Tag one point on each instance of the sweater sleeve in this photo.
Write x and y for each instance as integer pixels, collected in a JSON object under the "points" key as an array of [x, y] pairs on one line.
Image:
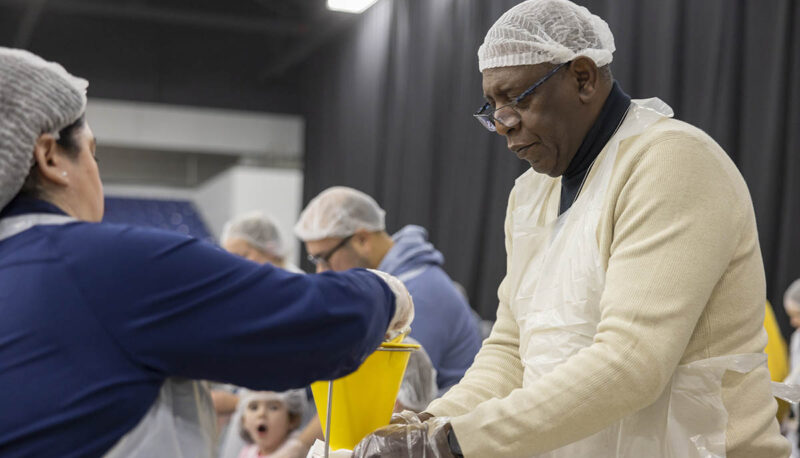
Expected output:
{"points": [[179, 306], [497, 368], [676, 225]]}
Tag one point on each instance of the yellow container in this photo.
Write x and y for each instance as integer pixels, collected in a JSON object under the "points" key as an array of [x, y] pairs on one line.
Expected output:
{"points": [[363, 401]]}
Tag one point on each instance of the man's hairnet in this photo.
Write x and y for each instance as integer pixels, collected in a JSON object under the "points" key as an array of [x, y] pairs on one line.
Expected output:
{"points": [[793, 294], [257, 230], [546, 31], [339, 212], [36, 97]]}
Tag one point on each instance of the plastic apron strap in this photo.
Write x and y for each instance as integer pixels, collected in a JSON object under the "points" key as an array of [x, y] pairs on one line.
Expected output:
{"points": [[14, 225]]}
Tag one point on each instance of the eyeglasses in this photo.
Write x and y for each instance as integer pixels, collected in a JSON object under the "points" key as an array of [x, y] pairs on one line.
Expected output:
{"points": [[507, 115], [323, 258]]}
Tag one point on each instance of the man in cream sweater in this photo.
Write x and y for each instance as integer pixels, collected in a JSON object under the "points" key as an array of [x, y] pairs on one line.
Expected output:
{"points": [[630, 318]]}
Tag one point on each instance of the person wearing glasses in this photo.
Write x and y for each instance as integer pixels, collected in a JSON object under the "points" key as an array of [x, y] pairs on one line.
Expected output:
{"points": [[344, 228], [104, 325], [630, 320]]}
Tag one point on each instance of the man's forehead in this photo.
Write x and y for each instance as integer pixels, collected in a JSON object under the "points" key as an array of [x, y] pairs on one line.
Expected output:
{"points": [[501, 79], [321, 245]]}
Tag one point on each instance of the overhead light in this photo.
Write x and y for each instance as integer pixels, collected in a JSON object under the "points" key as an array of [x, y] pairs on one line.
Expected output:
{"points": [[350, 6]]}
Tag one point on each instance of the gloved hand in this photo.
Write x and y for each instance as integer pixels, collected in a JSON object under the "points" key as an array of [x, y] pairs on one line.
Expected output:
{"points": [[408, 417], [292, 448], [404, 306], [428, 439]]}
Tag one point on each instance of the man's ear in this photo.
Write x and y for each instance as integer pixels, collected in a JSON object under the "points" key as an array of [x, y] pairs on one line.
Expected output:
{"points": [[587, 76], [49, 161]]}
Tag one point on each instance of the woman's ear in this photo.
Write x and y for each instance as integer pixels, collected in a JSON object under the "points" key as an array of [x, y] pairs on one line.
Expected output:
{"points": [[49, 161]]}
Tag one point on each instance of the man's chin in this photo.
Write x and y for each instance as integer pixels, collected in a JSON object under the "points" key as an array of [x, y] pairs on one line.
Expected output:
{"points": [[538, 167]]}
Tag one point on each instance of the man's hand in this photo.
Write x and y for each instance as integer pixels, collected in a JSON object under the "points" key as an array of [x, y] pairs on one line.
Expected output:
{"points": [[410, 440], [408, 417]]}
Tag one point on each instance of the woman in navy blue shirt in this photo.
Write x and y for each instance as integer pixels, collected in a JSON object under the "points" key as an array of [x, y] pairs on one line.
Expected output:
{"points": [[95, 317]]}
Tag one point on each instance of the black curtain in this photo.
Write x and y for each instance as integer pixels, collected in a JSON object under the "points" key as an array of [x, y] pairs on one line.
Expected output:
{"points": [[389, 105]]}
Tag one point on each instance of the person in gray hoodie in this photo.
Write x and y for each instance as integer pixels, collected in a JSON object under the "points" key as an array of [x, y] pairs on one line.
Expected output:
{"points": [[344, 228]]}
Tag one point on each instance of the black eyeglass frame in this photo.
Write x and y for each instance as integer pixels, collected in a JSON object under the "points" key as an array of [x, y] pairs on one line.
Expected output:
{"points": [[324, 258], [485, 115]]}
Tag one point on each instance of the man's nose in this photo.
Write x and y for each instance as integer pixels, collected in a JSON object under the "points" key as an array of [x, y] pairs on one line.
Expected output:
{"points": [[502, 129]]}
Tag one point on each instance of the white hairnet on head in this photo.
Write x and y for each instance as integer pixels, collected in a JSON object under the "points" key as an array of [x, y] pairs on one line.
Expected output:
{"points": [[236, 437], [36, 97], [339, 212], [257, 230], [546, 31], [792, 295], [419, 382]]}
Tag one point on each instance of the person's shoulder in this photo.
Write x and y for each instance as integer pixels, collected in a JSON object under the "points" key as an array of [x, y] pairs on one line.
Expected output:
{"points": [[673, 148], [119, 240], [101, 233]]}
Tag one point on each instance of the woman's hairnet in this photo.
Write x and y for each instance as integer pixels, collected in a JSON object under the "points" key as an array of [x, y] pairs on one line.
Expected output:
{"points": [[257, 230], [236, 437], [36, 97], [419, 382], [339, 212], [792, 294], [546, 31]]}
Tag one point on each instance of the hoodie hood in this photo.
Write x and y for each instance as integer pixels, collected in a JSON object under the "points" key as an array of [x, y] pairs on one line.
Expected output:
{"points": [[411, 251]]}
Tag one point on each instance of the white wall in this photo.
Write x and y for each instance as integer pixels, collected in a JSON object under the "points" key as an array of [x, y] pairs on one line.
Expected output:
{"points": [[193, 129], [276, 192]]}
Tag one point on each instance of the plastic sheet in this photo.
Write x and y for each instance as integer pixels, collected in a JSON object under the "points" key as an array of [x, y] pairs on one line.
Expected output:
{"points": [[180, 424]]}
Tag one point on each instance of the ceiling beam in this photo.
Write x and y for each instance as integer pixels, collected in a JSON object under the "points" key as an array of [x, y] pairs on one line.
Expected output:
{"points": [[173, 17]]}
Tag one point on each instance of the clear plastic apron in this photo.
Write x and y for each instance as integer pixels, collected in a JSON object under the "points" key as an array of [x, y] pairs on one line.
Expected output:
{"points": [[180, 423], [555, 299]]}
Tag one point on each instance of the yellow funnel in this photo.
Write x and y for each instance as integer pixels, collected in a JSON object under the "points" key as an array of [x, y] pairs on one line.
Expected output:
{"points": [[363, 401]]}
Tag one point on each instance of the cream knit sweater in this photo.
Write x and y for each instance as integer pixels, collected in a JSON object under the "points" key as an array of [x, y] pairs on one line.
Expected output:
{"points": [[684, 282]]}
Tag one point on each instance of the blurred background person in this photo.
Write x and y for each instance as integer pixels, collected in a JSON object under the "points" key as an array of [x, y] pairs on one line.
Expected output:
{"points": [[255, 236], [344, 228], [266, 424], [791, 303]]}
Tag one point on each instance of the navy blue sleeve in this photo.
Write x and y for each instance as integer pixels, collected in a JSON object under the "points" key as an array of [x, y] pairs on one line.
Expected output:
{"points": [[179, 306]]}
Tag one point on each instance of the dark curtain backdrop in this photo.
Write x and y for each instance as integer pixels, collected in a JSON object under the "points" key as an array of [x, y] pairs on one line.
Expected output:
{"points": [[389, 104]]}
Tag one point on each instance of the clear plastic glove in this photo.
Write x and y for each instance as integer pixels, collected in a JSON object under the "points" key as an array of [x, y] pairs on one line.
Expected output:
{"points": [[428, 439], [409, 417], [292, 448], [404, 306]]}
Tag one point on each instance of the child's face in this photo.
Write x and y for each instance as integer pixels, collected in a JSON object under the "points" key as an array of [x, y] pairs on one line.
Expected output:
{"points": [[267, 422]]}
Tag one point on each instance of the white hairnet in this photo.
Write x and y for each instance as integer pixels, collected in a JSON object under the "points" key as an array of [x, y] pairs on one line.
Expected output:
{"points": [[36, 97], [233, 441], [257, 230], [793, 294], [546, 31], [339, 212], [419, 382]]}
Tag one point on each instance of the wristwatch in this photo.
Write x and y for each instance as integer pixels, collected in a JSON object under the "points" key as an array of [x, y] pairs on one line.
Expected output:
{"points": [[452, 441]]}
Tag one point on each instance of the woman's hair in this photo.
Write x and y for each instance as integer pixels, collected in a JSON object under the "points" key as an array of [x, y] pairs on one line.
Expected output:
{"points": [[67, 139]]}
